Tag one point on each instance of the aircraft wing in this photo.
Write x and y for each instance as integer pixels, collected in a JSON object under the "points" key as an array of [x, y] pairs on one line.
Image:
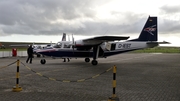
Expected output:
{"points": [[21, 44], [107, 38], [97, 40]]}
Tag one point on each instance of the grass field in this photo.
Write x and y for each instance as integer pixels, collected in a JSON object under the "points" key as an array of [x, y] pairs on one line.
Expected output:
{"points": [[159, 50]]}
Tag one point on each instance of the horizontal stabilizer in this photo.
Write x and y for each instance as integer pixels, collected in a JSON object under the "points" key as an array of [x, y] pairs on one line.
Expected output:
{"points": [[164, 42]]}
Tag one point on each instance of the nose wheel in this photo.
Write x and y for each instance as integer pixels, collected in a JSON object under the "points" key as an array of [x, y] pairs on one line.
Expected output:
{"points": [[94, 62], [87, 59], [43, 61]]}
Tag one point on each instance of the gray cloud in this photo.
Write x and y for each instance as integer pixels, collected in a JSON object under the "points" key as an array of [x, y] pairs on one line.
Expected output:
{"points": [[101, 28], [167, 9], [169, 26], [51, 17], [170, 21], [37, 15]]}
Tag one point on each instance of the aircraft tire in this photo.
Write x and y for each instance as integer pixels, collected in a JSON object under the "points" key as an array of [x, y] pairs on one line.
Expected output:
{"points": [[43, 61], [94, 62], [87, 59], [38, 55]]}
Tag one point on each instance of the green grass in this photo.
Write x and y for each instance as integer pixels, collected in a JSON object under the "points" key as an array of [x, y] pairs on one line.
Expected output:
{"points": [[159, 50]]}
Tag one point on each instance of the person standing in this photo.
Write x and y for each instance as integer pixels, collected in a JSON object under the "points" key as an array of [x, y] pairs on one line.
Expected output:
{"points": [[30, 54]]}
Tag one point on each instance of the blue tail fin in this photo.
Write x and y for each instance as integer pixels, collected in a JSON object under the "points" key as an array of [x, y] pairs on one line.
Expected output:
{"points": [[149, 31]]}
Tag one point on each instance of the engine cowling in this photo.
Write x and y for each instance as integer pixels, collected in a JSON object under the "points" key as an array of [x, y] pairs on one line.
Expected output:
{"points": [[87, 42]]}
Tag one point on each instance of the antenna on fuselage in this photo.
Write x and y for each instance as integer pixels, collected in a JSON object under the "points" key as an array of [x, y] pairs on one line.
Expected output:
{"points": [[51, 43], [73, 39], [68, 38]]}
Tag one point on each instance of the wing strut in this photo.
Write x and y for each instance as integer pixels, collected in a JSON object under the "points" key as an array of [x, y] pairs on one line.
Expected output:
{"points": [[95, 54]]}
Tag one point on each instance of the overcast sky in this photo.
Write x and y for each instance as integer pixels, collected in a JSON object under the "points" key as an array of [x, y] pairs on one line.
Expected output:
{"points": [[46, 20]]}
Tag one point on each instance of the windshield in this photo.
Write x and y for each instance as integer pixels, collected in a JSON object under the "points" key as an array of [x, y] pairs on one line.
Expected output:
{"points": [[58, 45]]}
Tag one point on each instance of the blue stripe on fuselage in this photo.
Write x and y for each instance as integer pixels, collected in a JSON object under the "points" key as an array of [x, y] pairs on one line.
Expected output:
{"points": [[69, 53], [77, 53]]}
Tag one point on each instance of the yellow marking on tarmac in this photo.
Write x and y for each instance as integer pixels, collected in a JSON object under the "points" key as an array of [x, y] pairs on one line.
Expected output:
{"points": [[96, 76], [39, 74], [65, 81], [81, 80], [28, 68], [52, 79], [109, 69]]}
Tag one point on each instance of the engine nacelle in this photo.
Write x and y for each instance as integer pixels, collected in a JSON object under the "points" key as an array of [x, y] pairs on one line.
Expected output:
{"points": [[87, 42], [79, 43]]}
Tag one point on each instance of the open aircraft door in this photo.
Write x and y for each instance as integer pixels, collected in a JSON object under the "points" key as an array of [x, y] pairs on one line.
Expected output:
{"points": [[110, 46]]}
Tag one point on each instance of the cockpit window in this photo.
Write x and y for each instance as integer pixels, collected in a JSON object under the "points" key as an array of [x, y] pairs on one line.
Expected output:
{"points": [[58, 45], [62, 45], [66, 46]]}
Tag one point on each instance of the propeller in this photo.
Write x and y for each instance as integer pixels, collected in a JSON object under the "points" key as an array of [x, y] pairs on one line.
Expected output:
{"points": [[73, 43]]}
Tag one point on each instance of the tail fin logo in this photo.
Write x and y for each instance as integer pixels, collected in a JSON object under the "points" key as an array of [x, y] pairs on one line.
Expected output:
{"points": [[150, 29]]}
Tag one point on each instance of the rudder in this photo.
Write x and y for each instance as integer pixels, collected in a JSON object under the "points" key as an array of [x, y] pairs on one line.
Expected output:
{"points": [[149, 31]]}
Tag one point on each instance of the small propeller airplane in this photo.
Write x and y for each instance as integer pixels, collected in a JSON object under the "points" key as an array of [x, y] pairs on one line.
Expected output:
{"points": [[104, 46], [45, 46]]}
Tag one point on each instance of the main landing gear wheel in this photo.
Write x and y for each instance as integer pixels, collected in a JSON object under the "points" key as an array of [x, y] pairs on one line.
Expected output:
{"points": [[94, 62], [43, 61], [87, 59]]}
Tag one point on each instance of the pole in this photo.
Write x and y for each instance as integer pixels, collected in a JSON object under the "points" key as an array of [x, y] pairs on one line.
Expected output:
{"points": [[17, 88], [114, 97]]}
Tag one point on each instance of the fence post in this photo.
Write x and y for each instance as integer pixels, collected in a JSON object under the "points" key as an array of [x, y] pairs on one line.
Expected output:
{"points": [[114, 97], [17, 88]]}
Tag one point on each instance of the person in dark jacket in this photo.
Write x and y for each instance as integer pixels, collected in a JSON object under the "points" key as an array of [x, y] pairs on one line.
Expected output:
{"points": [[30, 54]]}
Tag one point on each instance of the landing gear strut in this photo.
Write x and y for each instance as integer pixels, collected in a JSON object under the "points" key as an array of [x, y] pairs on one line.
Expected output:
{"points": [[95, 55]]}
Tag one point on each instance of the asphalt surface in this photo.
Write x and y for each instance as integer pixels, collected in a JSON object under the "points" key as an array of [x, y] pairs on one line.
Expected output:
{"points": [[140, 77]]}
